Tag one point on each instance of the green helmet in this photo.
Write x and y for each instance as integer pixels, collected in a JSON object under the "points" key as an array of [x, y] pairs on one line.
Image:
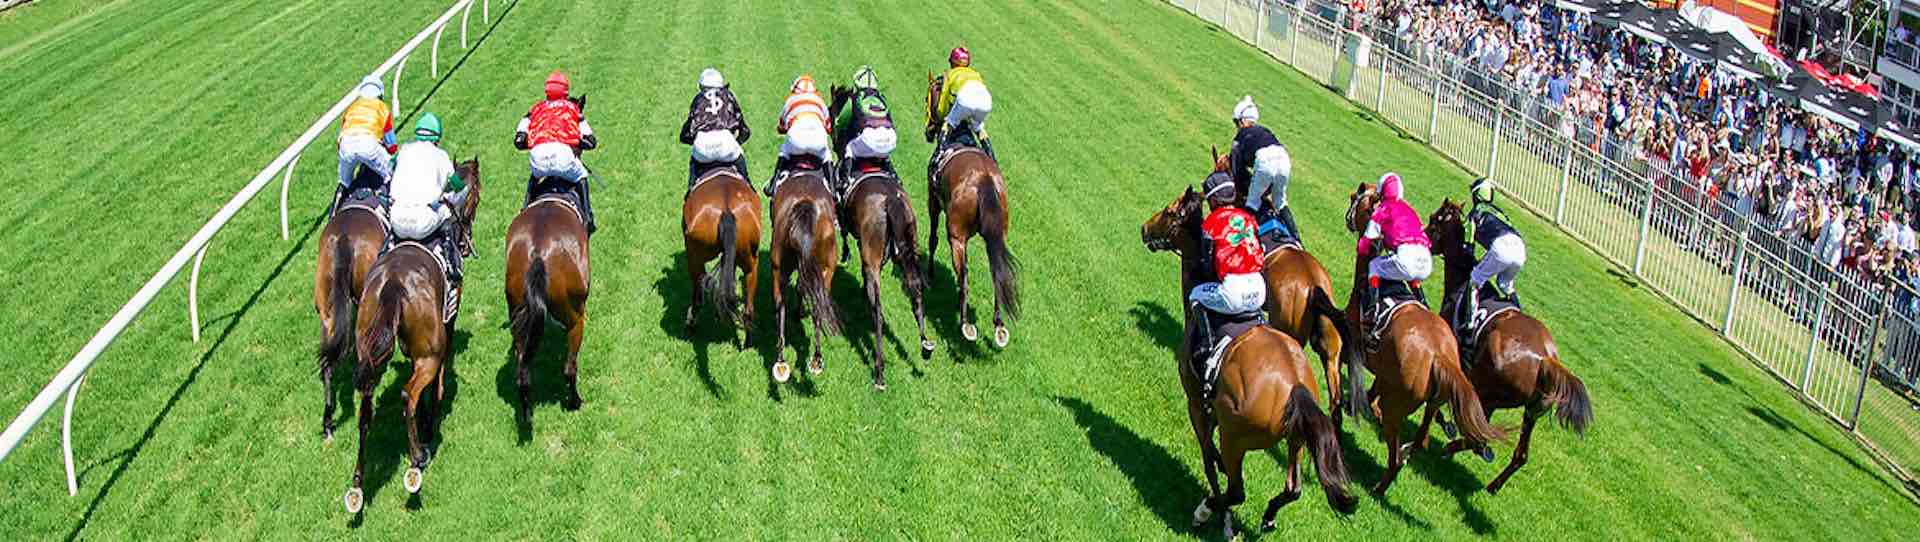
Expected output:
{"points": [[428, 128], [1482, 190], [865, 79]]}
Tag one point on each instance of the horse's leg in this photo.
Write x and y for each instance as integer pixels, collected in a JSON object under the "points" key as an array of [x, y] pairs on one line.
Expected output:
{"points": [[425, 368], [1421, 438], [433, 411], [1328, 346], [1232, 456], [354, 498], [523, 379], [1203, 433], [575, 334], [782, 281], [933, 229], [1519, 451], [871, 278], [1292, 492], [749, 262], [1390, 422], [696, 271], [326, 391], [959, 245], [815, 365]]}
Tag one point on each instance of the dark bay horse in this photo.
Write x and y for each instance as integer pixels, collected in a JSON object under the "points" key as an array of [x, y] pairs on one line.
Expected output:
{"points": [[721, 219], [1418, 364], [1517, 364], [1265, 393], [879, 216], [547, 279], [1300, 304], [967, 185], [805, 239], [404, 301], [349, 243]]}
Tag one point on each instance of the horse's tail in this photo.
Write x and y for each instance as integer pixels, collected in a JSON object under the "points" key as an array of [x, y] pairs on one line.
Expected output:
{"points": [[1305, 421], [719, 285], [800, 230], [340, 299], [993, 220], [1453, 384], [530, 322], [904, 243], [377, 335], [1567, 394], [1325, 313]]}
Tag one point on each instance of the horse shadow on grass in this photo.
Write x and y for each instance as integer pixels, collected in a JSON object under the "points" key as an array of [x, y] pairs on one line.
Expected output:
{"points": [[1773, 419], [944, 308], [1161, 481], [856, 317], [676, 293], [1156, 321], [547, 370]]}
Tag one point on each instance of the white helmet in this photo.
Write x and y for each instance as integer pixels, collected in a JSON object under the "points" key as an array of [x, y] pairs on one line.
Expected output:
{"points": [[1245, 110], [370, 87], [710, 78]]}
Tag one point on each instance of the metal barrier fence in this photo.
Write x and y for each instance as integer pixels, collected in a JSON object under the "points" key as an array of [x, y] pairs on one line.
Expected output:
{"points": [[1848, 346]]}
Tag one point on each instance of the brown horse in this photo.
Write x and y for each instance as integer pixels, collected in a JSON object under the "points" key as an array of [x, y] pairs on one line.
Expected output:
{"points": [[1419, 364], [350, 242], [883, 222], [405, 301], [721, 219], [547, 279], [1300, 304], [805, 239], [1265, 392], [1517, 364], [967, 185]]}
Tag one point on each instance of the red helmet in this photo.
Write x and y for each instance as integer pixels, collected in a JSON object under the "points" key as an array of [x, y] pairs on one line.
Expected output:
{"points": [[959, 57], [557, 85]]}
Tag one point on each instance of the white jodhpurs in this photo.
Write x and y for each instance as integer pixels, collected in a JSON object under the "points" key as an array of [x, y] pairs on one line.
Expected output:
{"points": [[873, 143], [716, 147], [417, 222], [1272, 170], [1411, 262], [1236, 294], [556, 160], [1502, 262], [363, 151], [971, 104]]}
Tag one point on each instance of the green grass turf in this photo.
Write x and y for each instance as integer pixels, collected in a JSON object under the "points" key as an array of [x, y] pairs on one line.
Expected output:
{"points": [[1074, 431]]}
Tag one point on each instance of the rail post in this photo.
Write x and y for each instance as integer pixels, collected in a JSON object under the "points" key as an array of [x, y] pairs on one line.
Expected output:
{"points": [[1866, 365], [1259, 23], [1493, 139], [435, 70], [468, 14], [1646, 225], [66, 437], [1566, 183], [1433, 118], [393, 90], [1293, 36], [1813, 339], [286, 182], [193, 294], [1380, 97], [1733, 286]]}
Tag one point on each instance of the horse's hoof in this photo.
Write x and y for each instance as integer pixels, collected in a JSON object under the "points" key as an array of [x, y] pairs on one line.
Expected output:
{"points": [[1449, 429], [970, 332], [1485, 453], [1202, 514], [879, 386], [1001, 336], [926, 349], [814, 366], [354, 500], [782, 372], [413, 479]]}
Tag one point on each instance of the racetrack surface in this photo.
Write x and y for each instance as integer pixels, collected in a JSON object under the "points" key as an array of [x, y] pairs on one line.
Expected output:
{"points": [[135, 121]]}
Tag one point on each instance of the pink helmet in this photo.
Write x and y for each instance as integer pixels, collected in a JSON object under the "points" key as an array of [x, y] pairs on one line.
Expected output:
{"points": [[960, 57], [557, 85], [1390, 189]]}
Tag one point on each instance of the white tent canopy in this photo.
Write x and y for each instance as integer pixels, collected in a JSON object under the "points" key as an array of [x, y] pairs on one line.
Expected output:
{"points": [[1713, 20]]}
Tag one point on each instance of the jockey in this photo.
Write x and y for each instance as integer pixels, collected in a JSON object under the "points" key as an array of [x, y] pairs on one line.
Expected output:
{"points": [[867, 131], [964, 100], [1488, 226], [804, 121], [554, 132], [715, 127], [1234, 260], [1262, 164], [426, 191], [1407, 256], [366, 139]]}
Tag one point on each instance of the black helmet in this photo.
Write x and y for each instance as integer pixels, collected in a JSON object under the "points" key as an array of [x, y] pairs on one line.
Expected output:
{"points": [[1219, 187]]}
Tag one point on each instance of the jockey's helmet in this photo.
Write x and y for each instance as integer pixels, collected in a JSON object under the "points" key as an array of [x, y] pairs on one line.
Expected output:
{"points": [[865, 79], [1482, 190], [427, 128], [959, 57], [557, 85], [371, 88], [710, 78]]}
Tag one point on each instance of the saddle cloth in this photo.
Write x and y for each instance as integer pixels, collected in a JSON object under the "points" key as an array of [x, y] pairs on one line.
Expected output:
{"points": [[709, 171], [1394, 295], [368, 200], [1225, 329], [556, 192]]}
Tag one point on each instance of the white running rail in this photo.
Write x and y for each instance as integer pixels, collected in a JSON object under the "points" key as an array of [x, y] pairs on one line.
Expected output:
{"points": [[67, 381]]}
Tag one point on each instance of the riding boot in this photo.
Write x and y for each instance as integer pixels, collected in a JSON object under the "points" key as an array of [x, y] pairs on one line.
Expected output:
{"points": [[586, 205], [531, 182], [1293, 229], [1469, 307], [693, 173], [779, 167], [339, 198], [987, 145]]}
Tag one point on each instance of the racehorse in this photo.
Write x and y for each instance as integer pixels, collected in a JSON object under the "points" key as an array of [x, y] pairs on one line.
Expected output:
{"points": [[877, 209], [405, 301], [1517, 364], [349, 243], [1300, 304], [1265, 392], [965, 183], [547, 279], [721, 219], [1419, 364], [804, 237]]}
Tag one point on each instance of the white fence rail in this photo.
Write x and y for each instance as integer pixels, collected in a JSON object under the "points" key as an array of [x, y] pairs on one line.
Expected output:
{"points": [[1828, 334], [67, 381]]}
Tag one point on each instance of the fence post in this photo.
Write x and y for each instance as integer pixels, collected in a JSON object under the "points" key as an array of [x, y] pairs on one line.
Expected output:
{"points": [[1433, 120], [1380, 98], [1733, 288], [1293, 36], [1566, 182], [1493, 140], [1813, 341], [1866, 365], [1259, 23], [1646, 224], [1226, 16]]}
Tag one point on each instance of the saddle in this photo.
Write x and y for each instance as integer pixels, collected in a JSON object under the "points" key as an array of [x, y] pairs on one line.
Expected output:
{"points": [[1470, 328], [369, 200], [703, 172], [944, 154], [802, 166], [555, 191], [861, 171], [1274, 234], [1222, 329], [1393, 295]]}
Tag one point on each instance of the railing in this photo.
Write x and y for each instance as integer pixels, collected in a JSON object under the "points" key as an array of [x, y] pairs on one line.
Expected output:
{"points": [[67, 381], [1824, 332]]}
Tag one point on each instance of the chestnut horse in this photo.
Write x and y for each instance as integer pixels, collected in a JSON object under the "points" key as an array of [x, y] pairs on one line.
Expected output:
{"points": [[1264, 396], [349, 243], [721, 219], [1300, 304], [882, 220], [967, 185], [1419, 364], [805, 239], [404, 301], [547, 279], [1517, 364]]}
